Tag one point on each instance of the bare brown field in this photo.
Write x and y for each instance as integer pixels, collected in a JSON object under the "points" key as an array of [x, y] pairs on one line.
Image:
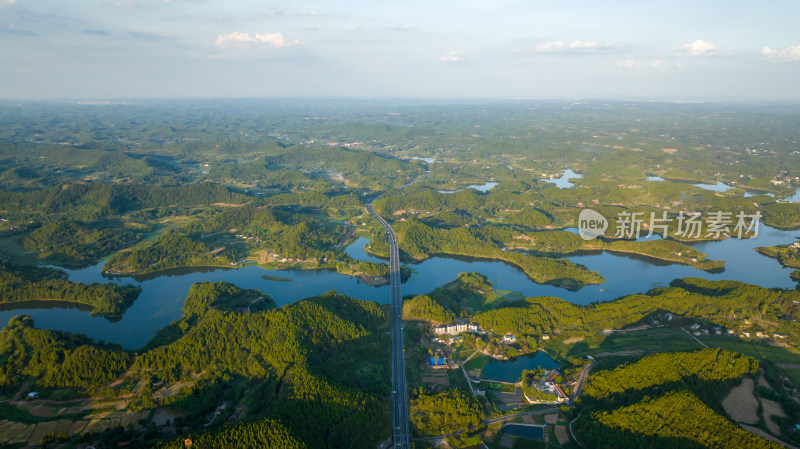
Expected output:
{"points": [[772, 408], [561, 434], [438, 380], [740, 403]]}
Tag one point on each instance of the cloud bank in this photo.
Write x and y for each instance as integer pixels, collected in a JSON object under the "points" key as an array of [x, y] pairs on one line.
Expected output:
{"points": [[575, 47], [786, 54], [236, 39], [631, 64]]}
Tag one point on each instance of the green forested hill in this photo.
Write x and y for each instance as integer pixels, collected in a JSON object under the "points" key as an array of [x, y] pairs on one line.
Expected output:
{"points": [[317, 366], [173, 249], [421, 241], [73, 242], [676, 420], [720, 302], [371, 168], [706, 365], [422, 307], [267, 433], [442, 413], [307, 350], [47, 284], [56, 359], [97, 200], [666, 400]]}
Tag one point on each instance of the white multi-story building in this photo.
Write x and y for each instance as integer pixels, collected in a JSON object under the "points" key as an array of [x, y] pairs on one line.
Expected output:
{"points": [[456, 328]]}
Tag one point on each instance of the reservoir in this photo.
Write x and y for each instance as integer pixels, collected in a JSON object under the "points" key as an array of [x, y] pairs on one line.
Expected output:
{"points": [[529, 431], [510, 370], [562, 182], [479, 187], [163, 293]]}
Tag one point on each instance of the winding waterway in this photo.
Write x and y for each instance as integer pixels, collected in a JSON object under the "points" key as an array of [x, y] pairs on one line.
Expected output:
{"points": [[162, 295], [721, 187]]}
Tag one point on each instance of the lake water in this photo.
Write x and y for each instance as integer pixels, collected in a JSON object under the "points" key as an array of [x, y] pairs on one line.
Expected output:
{"points": [[562, 182], [510, 370], [721, 187], [162, 294], [718, 187], [479, 187], [794, 198], [749, 194]]}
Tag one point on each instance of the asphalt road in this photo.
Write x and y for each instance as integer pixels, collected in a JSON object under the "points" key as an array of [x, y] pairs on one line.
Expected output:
{"points": [[400, 436], [581, 381]]}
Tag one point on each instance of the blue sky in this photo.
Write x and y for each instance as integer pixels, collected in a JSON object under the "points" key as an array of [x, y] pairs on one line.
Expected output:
{"points": [[692, 50]]}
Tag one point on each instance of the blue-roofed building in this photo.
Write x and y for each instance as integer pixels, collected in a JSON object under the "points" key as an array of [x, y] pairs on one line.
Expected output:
{"points": [[441, 361], [433, 361]]}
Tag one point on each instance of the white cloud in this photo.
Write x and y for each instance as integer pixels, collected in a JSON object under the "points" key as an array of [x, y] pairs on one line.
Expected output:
{"points": [[631, 64], [785, 54], [578, 45], [283, 12], [451, 57], [10, 2], [700, 48], [236, 39], [551, 46], [575, 47]]}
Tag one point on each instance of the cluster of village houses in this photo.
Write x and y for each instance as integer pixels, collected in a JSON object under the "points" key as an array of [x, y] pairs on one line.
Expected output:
{"points": [[545, 384], [698, 330], [459, 328], [717, 330]]}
